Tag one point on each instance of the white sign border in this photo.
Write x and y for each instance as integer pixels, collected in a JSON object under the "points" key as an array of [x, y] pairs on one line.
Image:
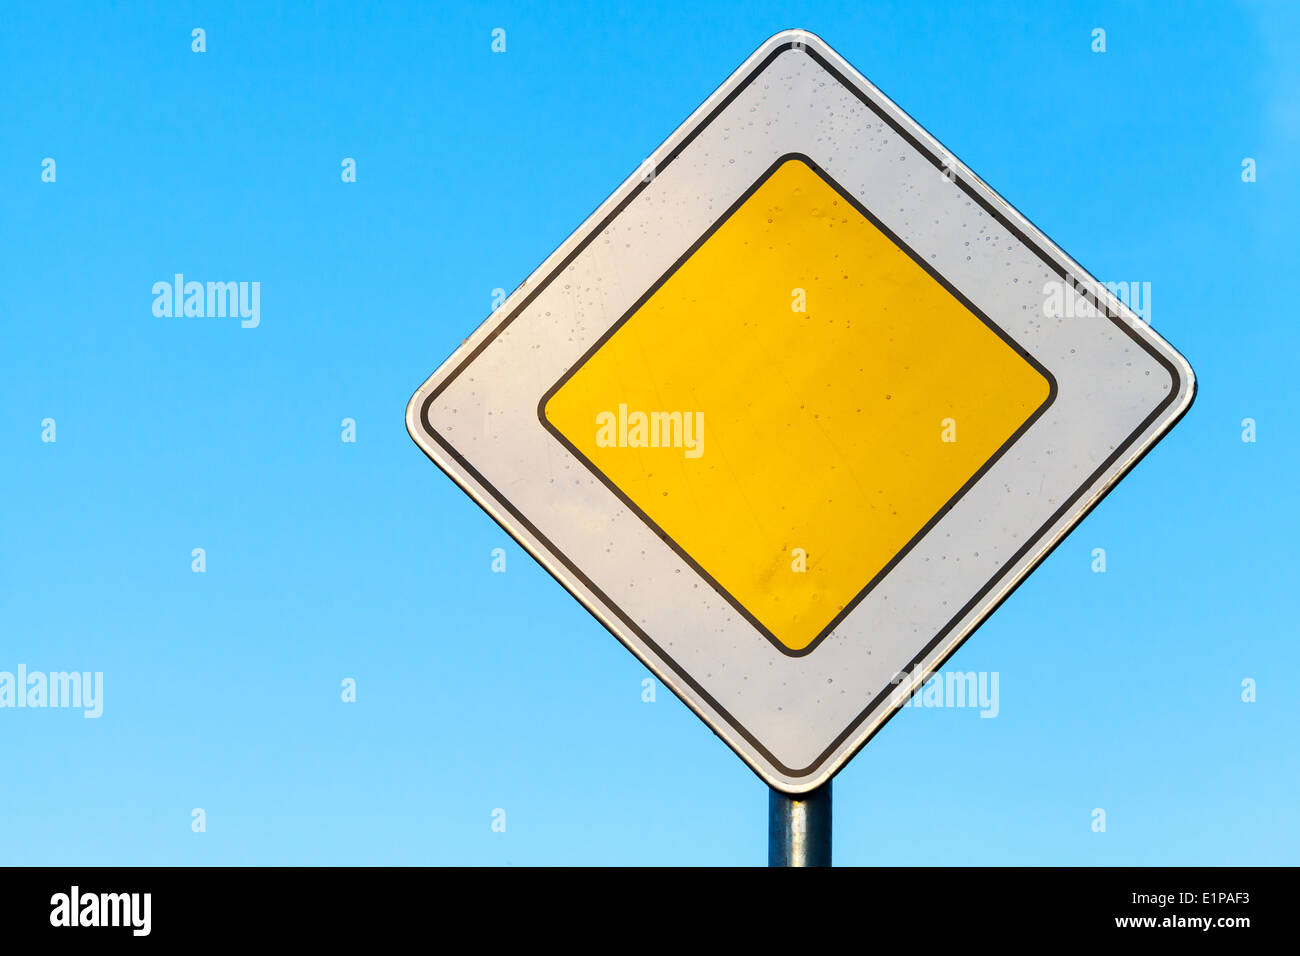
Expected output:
{"points": [[967, 620]]}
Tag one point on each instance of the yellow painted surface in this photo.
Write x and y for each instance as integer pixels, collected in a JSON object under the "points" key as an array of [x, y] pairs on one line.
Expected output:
{"points": [[822, 430]]}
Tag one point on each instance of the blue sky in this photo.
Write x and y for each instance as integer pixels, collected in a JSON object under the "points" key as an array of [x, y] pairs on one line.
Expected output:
{"points": [[478, 691]]}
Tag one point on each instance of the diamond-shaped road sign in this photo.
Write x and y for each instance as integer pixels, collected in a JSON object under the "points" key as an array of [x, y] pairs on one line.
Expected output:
{"points": [[797, 407]]}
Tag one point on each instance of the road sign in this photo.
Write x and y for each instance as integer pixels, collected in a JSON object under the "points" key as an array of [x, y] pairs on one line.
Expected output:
{"points": [[797, 407]]}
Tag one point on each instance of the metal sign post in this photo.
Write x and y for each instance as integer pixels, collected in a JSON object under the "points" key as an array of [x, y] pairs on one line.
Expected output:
{"points": [[799, 827]]}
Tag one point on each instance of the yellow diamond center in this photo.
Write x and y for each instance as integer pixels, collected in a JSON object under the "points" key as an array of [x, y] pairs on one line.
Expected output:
{"points": [[795, 404]]}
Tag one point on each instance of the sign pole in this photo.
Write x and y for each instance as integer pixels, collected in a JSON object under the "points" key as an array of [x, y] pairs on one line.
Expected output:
{"points": [[799, 827]]}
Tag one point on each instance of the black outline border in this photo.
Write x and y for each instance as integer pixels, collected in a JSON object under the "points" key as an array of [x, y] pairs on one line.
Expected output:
{"points": [[925, 528], [941, 163]]}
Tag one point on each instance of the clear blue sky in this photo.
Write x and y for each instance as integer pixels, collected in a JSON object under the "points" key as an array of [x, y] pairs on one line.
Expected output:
{"points": [[476, 690]]}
